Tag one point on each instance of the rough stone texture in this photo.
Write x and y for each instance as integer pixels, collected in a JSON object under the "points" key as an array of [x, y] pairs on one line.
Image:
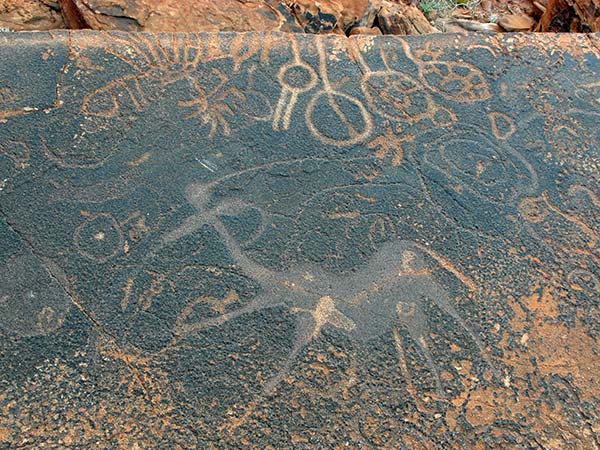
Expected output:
{"points": [[571, 15], [187, 15], [30, 15], [514, 22], [309, 16], [72, 15], [333, 15], [292, 241], [398, 18]]}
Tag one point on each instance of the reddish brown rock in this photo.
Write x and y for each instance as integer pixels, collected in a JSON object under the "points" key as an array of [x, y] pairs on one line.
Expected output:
{"points": [[72, 15], [515, 22], [571, 15], [318, 17], [21, 15], [309, 16], [186, 15], [374, 31], [465, 26], [398, 18], [337, 16]]}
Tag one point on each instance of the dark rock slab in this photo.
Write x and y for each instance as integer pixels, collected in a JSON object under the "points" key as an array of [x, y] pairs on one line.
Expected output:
{"points": [[275, 241]]}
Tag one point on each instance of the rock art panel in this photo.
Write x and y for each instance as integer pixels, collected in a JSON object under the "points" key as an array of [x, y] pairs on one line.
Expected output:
{"points": [[299, 241]]}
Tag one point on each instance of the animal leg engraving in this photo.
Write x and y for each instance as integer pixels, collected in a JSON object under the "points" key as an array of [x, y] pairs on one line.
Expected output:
{"points": [[260, 302], [411, 316]]}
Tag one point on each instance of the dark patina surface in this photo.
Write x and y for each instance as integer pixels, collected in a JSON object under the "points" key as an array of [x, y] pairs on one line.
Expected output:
{"points": [[276, 241]]}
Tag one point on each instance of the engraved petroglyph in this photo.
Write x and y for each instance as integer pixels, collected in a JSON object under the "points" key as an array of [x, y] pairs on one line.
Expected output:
{"points": [[295, 78], [299, 241], [391, 143], [151, 61], [593, 89], [590, 197], [399, 97], [538, 209], [533, 209], [211, 105], [32, 303], [19, 152], [503, 126], [584, 280], [473, 161], [338, 110], [456, 80], [565, 130], [99, 238], [7, 95], [7, 98], [389, 292], [180, 59]]}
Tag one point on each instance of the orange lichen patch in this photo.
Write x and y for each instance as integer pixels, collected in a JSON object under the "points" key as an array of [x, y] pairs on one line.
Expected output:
{"points": [[4, 434], [577, 49], [544, 305], [127, 418], [549, 348], [298, 438], [570, 353], [485, 406]]}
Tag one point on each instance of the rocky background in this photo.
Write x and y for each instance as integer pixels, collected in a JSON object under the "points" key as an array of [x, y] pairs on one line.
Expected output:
{"points": [[310, 16]]}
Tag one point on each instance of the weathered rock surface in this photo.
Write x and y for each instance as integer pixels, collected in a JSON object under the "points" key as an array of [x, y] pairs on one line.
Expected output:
{"points": [[400, 18], [30, 15], [190, 15], [335, 16], [297, 241], [309, 16], [514, 22], [571, 15]]}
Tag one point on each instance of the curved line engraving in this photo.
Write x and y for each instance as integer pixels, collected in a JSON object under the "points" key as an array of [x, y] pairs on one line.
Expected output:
{"points": [[388, 292], [357, 133], [291, 88]]}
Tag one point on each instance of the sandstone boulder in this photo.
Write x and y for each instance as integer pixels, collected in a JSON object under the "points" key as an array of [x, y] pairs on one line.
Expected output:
{"points": [[186, 15], [399, 18], [19, 15]]}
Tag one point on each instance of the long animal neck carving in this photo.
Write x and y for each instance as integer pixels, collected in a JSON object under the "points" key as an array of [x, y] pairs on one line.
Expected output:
{"points": [[247, 265], [391, 292]]}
